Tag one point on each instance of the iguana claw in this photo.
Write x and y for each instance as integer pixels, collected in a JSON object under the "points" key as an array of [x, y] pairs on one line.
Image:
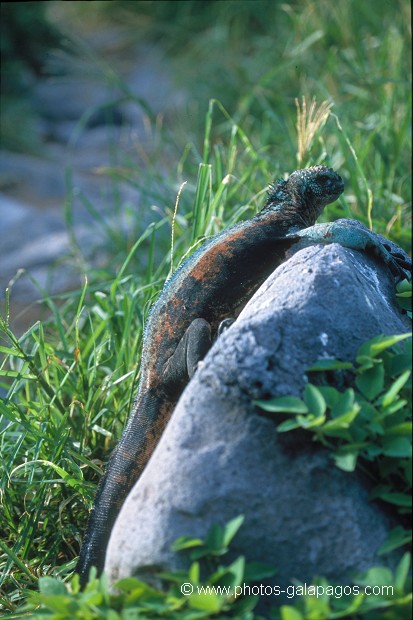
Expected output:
{"points": [[399, 265]]}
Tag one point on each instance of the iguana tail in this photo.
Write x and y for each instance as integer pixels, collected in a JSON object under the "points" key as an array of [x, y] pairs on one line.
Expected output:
{"points": [[151, 413]]}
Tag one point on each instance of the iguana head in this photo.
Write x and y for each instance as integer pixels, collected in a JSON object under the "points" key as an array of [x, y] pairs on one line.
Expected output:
{"points": [[302, 197]]}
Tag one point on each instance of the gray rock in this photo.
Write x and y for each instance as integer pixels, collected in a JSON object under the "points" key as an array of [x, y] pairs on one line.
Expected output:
{"points": [[34, 241], [67, 98], [135, 82], [40, 180], [219, 457]]}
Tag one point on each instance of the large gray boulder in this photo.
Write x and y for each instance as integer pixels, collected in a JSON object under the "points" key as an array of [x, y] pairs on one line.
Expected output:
{"points": [[220, 457]]}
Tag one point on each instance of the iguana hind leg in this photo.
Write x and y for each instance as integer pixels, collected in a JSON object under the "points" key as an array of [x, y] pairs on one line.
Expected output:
{"points": [[192, 348]]}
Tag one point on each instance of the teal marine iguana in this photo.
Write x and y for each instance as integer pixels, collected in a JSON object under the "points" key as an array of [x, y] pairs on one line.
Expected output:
{"points": [[213, 284]]}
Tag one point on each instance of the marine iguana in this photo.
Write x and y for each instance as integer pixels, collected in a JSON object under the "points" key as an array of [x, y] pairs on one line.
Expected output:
{"points": [[213, 284]]}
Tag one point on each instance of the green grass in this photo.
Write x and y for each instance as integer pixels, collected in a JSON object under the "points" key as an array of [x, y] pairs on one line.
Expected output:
{"points": [[70, 380]]}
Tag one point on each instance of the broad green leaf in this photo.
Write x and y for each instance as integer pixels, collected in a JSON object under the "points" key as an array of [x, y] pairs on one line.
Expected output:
{"points": [[215, 539], [364, 363], [344, 405], [58, 603], [372, 451], [348, 613], [353, 447], [344, 434], [314, 400], [290, 613], [401, 573], [204, 551], [283, 404], [231, 528], [380, 343], [398, 499], [404, 295], [368, 410], [330, 394], [329, 364], [402, 361], [287, 425], [237, 570], [179, 576], [140, 591], [254, 571], [397, 537], [390, 395], [394, 407], [346, 462], [194, 572], [405, 286], [92, 598], [342, 421], [310, 421], [51, 585], [186, 542], [399, 447], [405, 301], [371, 382], [375, 427], [207, 601], [405, 428], [242, 608], [375, 576]]}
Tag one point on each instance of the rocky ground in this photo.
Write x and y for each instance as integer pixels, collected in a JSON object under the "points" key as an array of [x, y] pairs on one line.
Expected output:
{"points": [[79, 137]]}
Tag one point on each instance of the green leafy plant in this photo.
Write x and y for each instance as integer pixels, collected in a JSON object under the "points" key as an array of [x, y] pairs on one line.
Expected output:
{"points": [[184, 594], [404, 296], [210, 589], [368, 425], [324, 601]]}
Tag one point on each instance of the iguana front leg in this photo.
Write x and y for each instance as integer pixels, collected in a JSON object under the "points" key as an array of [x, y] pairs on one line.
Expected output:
{"points": [[353, 235]]}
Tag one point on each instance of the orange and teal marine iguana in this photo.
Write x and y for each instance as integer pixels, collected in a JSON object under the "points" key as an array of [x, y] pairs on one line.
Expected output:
{"points": [[211, 286]]}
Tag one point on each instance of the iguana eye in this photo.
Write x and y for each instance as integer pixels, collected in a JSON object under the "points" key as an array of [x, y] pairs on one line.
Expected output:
{"points": [[324, 179]]}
